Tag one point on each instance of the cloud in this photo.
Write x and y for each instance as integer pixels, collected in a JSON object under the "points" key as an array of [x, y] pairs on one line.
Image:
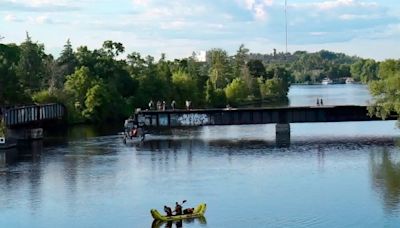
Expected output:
{"points": [[335, 4], [12, 18], [141, 2], [38, 5], [258, 8], [348, 17]]}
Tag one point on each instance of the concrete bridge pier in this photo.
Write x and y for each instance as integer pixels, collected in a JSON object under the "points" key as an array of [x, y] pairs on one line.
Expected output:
{"points": [[282, 134], [25, 134]]}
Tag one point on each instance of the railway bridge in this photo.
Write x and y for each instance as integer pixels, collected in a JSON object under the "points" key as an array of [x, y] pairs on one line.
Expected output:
{"points": [[281, 116]]}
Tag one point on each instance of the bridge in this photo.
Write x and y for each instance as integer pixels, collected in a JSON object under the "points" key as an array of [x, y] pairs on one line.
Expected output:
{"points": [[281, 116], [27, 122]]}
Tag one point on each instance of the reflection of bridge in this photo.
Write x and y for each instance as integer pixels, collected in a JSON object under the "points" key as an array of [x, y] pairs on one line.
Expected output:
{"points": [[282, 116], [27, 122]]}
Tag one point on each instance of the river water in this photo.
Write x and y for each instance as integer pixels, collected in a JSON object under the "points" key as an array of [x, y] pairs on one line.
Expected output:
{"points": [[332, 174]]}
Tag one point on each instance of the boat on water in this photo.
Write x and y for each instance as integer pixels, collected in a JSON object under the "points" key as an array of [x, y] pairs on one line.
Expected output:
{"points": [[198, 212], [327, 81], [349, 81], [133, 132]]}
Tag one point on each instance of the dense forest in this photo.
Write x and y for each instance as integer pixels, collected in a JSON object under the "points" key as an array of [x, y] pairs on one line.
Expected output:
{"points": [[311, 68], [100, 84]]}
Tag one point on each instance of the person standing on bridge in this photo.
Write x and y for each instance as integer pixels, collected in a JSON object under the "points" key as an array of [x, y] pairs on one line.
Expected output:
{"points": [[317, 101], [151, 105], [321, 102], [188, 105], [158, 105], [163, 105], [173, 103]]}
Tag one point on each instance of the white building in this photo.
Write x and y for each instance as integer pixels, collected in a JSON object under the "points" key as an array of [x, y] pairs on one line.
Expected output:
{"points": [[200, 56]]}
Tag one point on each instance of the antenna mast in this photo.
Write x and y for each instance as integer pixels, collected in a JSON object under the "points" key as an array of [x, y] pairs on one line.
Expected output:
{"points": [[286, 27]]}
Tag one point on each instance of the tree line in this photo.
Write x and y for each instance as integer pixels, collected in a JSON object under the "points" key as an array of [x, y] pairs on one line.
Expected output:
{"points": [[312, 68], [99, 84]]}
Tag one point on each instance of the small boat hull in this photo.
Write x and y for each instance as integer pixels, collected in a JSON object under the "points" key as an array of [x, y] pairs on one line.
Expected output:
{"points": [[198, 212]]}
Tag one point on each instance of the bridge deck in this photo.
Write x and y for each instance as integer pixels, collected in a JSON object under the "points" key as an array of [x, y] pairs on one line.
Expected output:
{"points": [[304, 114]]}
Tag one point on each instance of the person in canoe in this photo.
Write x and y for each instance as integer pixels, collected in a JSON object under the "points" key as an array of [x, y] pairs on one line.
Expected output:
{"points": [[188, 211], [178, 208], [168, 211]]}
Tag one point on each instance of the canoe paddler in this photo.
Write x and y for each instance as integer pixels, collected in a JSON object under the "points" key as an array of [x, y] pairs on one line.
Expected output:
{"points": [[178, 208], [168, 211]]}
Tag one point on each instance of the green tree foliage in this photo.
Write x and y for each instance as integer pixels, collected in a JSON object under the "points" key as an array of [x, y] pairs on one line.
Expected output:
{"points": [[97, 101], [98, 85], [219, 71], [256, 68], [236, 91], [386, 90], [66, 64], [76, 87], [365, 70], [215, 98], [30, 68], [185, 88], [11, 91], [272, 88]]}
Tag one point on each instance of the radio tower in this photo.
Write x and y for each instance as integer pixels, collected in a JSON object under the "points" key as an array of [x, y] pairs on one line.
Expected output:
{"points": [[286, 26]]}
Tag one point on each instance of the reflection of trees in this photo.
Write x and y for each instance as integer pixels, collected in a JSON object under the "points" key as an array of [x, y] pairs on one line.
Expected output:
{"points": [[385, 171]]}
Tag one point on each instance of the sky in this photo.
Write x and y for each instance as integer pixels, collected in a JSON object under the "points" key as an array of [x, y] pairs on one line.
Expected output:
{"points": [[366, 28]]}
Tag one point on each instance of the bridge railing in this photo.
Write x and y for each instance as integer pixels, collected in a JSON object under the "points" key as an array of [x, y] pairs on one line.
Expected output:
{"points": [[34, 113]]}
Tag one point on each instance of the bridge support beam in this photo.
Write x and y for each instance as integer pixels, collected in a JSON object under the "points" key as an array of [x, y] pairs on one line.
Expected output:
{"points": [[25, 134], [282, 134]]}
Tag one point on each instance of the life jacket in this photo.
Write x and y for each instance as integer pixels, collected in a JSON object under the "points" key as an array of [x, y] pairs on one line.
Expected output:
{"points": [[134, 132]]}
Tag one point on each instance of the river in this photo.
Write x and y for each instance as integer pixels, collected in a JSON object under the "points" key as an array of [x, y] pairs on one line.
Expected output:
{"points": [[332, 174]]}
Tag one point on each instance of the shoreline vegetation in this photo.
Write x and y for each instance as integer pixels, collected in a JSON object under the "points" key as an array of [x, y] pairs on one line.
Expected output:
{"points": [[98, 85]]}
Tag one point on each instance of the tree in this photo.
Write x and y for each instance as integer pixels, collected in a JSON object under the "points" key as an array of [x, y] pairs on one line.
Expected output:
{"points": [[97, 102], [236, 91], [219, 68], [272, 88], [184, 87], [386, 90], [215, 98], [76, 87], [365, 70], [30, 65], [11, 91], [66, 64], [256, 68], [240, 61], [113, 49]]}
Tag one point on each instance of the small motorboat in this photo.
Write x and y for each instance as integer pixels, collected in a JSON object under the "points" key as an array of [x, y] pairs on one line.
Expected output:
{"points": [[327, 81], [132, 131], [198, 212]]}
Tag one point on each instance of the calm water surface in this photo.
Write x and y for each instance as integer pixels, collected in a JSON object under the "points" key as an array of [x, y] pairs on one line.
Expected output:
{"points": [[332, 175]]}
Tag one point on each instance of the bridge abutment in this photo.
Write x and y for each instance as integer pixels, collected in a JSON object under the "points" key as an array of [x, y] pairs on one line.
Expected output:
{"points": [[282, 134]]}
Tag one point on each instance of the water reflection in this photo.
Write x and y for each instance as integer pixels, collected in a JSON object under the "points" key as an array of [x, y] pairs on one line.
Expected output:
{"points": [[385, 172], [180, 223]]}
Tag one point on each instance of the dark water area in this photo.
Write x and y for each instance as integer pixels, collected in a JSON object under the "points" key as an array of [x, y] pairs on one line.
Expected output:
{"points": [[331, 175]]}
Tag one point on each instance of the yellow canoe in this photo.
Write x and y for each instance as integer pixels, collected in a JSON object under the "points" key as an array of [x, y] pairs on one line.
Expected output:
{"points": [[198, 212]]}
